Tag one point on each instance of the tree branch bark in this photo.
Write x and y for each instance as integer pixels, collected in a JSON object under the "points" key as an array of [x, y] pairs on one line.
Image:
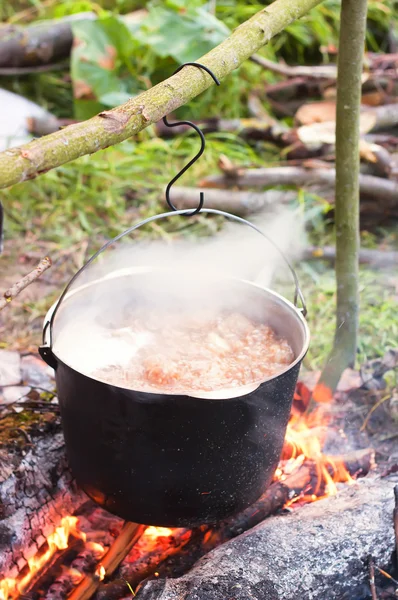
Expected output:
{"points": [[114, 126], [18, 287], [351, 50]]}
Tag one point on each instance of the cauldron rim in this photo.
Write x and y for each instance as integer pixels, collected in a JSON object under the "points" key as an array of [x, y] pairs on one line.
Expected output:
{"points": [[232, 393]]}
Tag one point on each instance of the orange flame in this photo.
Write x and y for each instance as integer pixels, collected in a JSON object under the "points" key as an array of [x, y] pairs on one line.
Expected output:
{"points": [[58, 540], [305, 438], [155, 532]]}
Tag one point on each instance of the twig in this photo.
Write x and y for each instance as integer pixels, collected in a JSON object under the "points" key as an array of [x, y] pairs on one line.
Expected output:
{"points": [[17, 288], [321, 72], [9, 71], [372, 584], [385, 574]]}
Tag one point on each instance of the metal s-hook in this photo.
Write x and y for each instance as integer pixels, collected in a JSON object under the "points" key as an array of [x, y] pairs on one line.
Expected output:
{"points": [[202, 147]]}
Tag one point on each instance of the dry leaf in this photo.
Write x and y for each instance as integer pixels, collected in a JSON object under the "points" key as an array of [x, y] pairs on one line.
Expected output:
{"points": [[373, 98], [367, 121], [316, 112], [366, 151], [81, 89], [225, 164], [315, 135], [109, 60]]}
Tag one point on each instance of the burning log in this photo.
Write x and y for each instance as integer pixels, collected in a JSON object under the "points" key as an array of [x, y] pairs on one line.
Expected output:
{"points": [[303, 481], [320, 553], [128, 536], [36, 491]]}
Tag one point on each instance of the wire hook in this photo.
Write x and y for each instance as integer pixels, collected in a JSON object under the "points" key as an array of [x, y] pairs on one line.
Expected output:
{"points": [[202, 147]]}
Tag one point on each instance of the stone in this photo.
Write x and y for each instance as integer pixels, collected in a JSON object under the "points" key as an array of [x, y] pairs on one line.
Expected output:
{"points": [[10, 368], [316, 552], [36, 373], [13, 393]]}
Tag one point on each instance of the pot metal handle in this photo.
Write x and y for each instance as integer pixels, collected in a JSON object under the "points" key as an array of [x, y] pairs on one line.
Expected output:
{"points": [[46, 349]]}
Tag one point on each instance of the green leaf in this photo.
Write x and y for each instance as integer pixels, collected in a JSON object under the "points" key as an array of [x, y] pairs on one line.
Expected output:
{"points": [[184, 36], [101, 65]]}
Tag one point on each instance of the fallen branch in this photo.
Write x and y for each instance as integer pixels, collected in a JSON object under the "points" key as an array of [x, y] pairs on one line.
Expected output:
{"points": [[315, 72], [376, 258], [384, 189], [240, 203], [37, 45], [375, 63], [17, 288], [113, 126]]}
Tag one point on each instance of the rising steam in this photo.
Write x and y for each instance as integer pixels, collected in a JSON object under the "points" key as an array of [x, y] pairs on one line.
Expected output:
{"points": [[188, 276]]}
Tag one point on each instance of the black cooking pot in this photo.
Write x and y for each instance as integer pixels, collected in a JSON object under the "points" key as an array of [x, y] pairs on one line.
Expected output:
{"points": [[167, 459]]}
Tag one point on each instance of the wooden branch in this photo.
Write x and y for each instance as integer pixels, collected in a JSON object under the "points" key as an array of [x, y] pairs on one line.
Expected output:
{"points": [[240, 203], [129, 535], [17, 288], [37, 45], [384, 189], [315, 72], [351, 44], [375, 63], [376, 258], [113, 126]]}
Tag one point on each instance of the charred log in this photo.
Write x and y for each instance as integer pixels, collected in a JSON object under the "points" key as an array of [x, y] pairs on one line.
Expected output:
{"points": [[35, 493]]}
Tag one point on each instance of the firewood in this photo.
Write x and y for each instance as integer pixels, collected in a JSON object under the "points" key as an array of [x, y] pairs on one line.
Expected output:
{"points": [[240, 203], [34, 495], [147, 564], [17, 288], [37, 44], [385, 190], [130, 533]]}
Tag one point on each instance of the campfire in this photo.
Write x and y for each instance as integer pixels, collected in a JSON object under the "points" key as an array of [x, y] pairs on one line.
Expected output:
{"points": [[93, 551]]}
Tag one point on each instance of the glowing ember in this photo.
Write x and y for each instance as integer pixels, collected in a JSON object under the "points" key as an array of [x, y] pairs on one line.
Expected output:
{"points": [[155, 532], [100, 572], [58, 540]]}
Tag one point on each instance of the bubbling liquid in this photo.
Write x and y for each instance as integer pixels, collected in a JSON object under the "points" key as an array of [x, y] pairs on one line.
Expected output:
{"points": [[204, 352]]}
